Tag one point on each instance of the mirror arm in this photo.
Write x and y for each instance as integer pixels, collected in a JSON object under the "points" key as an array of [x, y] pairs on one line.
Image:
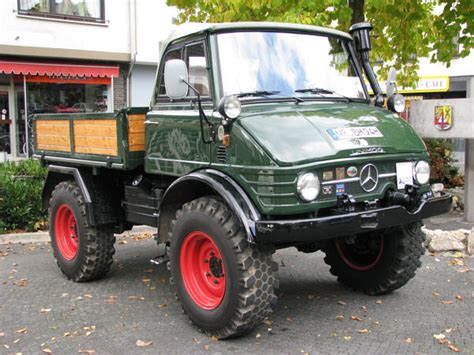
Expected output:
{"points": [[202, 116]]}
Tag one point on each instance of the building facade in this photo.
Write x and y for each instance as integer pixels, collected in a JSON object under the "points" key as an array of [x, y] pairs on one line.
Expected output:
{"points": [[72, 56]]}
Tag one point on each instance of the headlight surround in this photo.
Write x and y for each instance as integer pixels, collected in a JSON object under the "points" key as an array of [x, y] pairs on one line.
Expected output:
{"points": [[396, 103], [308, 186], [230, 107], [421, 172]]}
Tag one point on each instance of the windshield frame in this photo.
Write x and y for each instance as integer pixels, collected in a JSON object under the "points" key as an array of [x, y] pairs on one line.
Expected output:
{"points": [[346, 44]]}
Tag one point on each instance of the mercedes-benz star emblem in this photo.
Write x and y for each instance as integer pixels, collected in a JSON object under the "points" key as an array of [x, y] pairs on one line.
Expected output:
{"points": [[369, 177]]}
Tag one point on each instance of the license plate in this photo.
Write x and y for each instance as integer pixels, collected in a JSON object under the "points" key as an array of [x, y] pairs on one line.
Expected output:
{"points": [[404, 174], [354, 132]]}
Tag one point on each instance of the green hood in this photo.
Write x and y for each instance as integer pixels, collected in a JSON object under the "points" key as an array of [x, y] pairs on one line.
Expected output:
{"points": [[295, 134]]}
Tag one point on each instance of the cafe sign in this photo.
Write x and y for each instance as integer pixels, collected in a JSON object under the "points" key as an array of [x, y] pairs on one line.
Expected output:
{"points": [[443, 117], [429, 84]]}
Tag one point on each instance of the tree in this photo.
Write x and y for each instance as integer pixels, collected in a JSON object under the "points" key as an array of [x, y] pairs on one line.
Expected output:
{"points": [[404, 30]]}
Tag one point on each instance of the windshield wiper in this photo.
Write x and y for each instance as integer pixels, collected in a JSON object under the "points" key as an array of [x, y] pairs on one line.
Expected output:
{"points": [[260, 93], [321, 91]]}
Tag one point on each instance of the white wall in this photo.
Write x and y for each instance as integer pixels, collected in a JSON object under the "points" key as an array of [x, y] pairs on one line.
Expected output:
{"points": [[154, 24], [17, 30], [142, 81], [458, 67]]}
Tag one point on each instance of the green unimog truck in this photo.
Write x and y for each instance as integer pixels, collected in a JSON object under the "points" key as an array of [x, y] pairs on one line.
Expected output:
{"points": [[259, 136]]}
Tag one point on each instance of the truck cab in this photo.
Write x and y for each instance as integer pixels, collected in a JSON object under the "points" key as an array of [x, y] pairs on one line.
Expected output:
{"points": [[259, 136]]}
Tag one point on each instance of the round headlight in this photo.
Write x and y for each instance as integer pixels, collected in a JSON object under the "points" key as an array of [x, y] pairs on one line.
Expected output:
{"points": [[396, 103], [230, 107], [308, 186], [422, 172]]}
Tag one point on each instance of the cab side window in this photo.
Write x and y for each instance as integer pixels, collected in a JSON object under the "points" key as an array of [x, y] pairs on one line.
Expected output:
{"points": [[174, 54], [195, 57]]}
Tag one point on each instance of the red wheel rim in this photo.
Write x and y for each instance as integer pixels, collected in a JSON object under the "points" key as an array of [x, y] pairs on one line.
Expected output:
{"points": [[361, 261], [65, 232], [202, 270]]}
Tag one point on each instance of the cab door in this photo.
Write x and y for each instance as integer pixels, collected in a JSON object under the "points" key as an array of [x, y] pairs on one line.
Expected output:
{"points": [[173, 143]]}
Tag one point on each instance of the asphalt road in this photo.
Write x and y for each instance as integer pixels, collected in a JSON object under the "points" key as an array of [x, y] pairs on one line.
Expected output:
{"points": [[40, 311]]}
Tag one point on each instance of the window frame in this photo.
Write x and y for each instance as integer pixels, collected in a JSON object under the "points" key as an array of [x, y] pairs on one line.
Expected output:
{"points": [[57, 16], [182, 46]]}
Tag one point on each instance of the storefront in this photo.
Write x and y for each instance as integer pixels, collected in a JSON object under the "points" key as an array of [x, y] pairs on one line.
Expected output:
{"points": [[49, 88]]}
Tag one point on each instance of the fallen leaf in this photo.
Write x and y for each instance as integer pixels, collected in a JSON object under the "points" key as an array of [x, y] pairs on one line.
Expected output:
{"points": [[356, 318], [206, 347], [88, 333], [347, 338], [408, 341], [22, 282], [196, 340], [342, 303], [456, 262], [458, 254], [449, 330], [446, 302], [86, 351], [2, 334], [88, 295], [364, 330], [453, 348], [459, 297], [464, 269], [22, 330], [434, 293], [149, 270], [123, 241], [258, 336], [443, 341], [379, 302], [439, 336], [289, 319], [364, 308], [6, 346], [267, 322], [213, 338], [161, 305], [16, 341], [143, 343], [46, 351], [340, 317], [45, 310]]}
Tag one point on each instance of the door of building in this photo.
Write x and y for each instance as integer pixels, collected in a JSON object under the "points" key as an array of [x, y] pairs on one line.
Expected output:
{"points": [[5, 120]]}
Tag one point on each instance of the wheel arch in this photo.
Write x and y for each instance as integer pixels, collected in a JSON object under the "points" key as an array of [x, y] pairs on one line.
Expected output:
{"points": [[202, 183], [102, 204]]}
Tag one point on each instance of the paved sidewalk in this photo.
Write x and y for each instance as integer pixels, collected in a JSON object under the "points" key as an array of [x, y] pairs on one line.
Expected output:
{"points": [[40, 309]]}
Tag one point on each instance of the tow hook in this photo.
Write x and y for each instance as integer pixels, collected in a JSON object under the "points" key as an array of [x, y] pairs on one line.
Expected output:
{"points": [[161, 259]]}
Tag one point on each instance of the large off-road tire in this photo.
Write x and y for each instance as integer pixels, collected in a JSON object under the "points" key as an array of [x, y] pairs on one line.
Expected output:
{"points": [[225, 284], [377, 262], [82, 252]]}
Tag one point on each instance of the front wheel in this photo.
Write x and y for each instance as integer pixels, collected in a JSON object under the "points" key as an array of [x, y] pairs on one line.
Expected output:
{"points": [[225, 284], [377, 262]]}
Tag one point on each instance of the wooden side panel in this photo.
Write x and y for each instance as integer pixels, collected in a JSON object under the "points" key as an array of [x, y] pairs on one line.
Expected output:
{"points": [[95, 137], [136, 133], [53, 135]]}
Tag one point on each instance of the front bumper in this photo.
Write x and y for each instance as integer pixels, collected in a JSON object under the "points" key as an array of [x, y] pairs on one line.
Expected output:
{"points": [[323, 228]]}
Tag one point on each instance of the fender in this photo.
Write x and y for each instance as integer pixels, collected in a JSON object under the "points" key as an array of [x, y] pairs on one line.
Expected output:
{"points": [[56, 175], [200, 183]]}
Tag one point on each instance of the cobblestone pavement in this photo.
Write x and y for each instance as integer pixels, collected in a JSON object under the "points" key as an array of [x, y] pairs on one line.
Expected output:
{"points": [[40, 309]]}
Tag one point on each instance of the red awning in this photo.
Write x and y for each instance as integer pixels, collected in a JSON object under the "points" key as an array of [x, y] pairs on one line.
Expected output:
{"points": [[50, 69]]}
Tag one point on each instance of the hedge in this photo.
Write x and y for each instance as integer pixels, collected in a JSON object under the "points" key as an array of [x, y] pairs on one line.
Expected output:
{"points": [[20, 196]]}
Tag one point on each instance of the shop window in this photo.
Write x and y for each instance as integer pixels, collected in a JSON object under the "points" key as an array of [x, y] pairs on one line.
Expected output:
{"points": [[66, 98], [82, 10]]}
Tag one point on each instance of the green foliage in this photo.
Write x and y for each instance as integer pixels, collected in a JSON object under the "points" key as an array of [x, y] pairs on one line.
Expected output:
{"points": [[20, 195], [442, 168], [404, 30]]}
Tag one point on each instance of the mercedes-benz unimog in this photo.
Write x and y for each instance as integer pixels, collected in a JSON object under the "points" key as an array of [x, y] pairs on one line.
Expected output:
{"points": [[259, 136]]}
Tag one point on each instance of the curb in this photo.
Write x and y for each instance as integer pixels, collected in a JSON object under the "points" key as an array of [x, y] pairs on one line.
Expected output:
{"points": [[43, 237]]}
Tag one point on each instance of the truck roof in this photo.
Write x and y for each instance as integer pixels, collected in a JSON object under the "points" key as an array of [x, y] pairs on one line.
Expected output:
{"points": [[192, 28]]}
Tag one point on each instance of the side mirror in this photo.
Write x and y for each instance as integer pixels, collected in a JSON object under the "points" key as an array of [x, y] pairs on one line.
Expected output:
{"points": [[176, 78], [391, 83]]}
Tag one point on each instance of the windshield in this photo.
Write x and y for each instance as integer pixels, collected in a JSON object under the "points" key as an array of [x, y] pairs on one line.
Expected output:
{"points": [[285, 62]]}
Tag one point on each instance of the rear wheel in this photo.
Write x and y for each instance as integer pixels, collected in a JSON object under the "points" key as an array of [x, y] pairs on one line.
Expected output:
{"points": [[377, 262], [225, 284], [82, 252]]}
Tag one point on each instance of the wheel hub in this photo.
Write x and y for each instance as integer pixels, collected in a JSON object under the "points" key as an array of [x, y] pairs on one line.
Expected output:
{"points": [[202, 270], [363, 252], [65, 232]]}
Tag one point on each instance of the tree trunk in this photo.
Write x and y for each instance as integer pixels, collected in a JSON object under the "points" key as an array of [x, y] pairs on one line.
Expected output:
{"points": [[357, 7]]}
